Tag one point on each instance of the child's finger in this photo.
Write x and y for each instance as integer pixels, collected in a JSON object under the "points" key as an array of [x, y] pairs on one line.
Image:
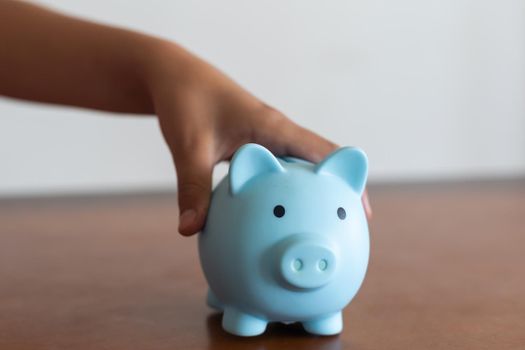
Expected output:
{"points": [[366, 205], [194, 174], [285, 138], [305, 144]]}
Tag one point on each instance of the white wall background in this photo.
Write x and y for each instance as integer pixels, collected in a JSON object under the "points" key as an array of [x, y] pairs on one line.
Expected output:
{"points": [[430, 89]]}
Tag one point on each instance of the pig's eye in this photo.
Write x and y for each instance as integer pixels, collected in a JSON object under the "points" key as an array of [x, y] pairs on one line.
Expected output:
{"points": [[278, 211], [341, 212]]}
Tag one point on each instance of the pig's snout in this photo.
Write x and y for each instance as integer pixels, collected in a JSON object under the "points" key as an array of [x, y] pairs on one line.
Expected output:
{"points": [[307, 263]]}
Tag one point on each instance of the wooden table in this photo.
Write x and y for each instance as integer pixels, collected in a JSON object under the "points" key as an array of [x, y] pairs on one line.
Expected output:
{"points": [[110, 272]]}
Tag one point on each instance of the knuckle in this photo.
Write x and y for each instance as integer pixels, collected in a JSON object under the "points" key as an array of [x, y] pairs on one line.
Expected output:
{"points": [[187, 143], [272, 115], [191, 189], [271, 120]]}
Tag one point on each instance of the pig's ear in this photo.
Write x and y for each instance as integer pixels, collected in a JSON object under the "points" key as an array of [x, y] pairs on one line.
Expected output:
{"points": [[348, 163], [249, 161]]}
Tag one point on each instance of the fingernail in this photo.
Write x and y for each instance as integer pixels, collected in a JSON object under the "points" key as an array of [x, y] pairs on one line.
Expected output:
{"points": [[186, 218], [368, 207]]}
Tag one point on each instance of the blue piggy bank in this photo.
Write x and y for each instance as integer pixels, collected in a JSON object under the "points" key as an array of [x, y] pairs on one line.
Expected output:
{"points": [[286, 240]]}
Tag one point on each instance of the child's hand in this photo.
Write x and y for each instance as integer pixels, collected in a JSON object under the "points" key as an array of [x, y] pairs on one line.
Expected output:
{"points": [[205, 117]]}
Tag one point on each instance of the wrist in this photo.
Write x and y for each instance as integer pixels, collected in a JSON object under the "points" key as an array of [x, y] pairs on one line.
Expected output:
{"points": [[164, 63]]}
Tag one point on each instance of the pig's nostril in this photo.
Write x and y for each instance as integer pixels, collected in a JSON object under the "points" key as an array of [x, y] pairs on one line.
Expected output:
{"points": [[306, 263], [322, 264], [297, 265]]}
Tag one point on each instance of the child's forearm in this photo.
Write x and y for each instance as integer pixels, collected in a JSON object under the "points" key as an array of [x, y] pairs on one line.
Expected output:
{"points": [[48, 57]]}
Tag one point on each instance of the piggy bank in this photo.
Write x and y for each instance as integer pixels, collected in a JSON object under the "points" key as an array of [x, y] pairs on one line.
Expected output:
{"points": [[286, 240]]}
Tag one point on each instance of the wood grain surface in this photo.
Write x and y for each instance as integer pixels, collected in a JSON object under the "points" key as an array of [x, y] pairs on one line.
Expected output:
{"points": [[110, 272]]}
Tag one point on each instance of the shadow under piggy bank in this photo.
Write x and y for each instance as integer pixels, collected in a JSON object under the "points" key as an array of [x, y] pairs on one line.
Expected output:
{"points": [[277, 336]]}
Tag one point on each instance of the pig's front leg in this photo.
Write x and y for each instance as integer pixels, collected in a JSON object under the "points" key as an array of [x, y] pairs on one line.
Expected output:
{"points": [[240, 323], [213, 301], [326, 325]]}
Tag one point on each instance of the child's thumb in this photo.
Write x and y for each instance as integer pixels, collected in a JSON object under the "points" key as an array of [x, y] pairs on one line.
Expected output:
{"points": [[194, 188]]}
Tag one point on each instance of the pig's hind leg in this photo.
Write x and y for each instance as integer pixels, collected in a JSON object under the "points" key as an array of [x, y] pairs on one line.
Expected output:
{"points": [[243, 324], [326, 325], [213, 301]]}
